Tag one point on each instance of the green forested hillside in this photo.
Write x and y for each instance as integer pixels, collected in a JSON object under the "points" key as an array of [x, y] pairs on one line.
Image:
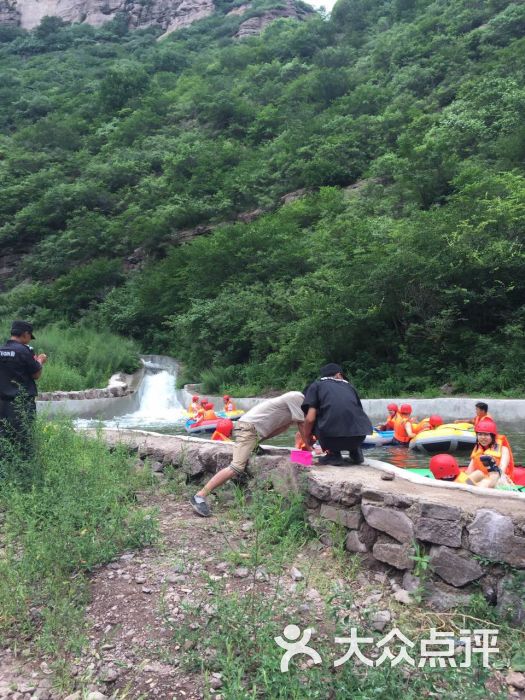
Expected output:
{"points": [[404, 121]]}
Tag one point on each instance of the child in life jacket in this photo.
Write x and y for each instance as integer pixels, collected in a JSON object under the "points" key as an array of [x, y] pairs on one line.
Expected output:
{"points": [[228, 404], [194, 406], [403, 430], [430, 423], [224, 430], [392, 409], [206, 412], [491, 457]]}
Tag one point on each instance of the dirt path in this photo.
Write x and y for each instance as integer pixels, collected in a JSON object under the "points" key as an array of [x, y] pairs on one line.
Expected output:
{"points": [[141, 601]]}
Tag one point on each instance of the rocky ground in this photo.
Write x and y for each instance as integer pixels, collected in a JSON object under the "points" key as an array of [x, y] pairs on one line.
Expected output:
{"points": [[148, 607]]}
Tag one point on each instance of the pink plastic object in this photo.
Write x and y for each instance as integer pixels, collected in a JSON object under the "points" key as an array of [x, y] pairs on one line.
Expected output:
{"points": [[301, 457]]}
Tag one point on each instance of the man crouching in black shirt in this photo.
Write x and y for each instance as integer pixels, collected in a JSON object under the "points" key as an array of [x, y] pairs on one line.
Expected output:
{"points": [[335, 415], [19, 368]]}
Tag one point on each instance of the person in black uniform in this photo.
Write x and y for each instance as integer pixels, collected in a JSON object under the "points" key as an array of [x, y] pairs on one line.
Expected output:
{"points": [[19, 368], [335, 415]]}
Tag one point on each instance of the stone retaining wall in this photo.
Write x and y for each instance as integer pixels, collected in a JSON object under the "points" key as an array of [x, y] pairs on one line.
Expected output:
{"points": [[464, 535], [121, 396], [106, 393]]}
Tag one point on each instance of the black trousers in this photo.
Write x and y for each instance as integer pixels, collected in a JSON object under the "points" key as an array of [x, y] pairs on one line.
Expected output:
{"points": [[16, 420], [336, 444]]}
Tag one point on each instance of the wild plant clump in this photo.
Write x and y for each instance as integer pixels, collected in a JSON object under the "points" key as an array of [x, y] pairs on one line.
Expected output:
{"points": [[67, 504]]}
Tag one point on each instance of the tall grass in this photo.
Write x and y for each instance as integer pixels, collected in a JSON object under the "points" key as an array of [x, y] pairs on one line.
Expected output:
{"points": [[232, 632], [80, 357], [68, 507]]}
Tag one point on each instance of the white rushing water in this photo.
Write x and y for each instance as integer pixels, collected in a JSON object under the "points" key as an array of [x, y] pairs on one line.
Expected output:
{"points": [[158, 407]]}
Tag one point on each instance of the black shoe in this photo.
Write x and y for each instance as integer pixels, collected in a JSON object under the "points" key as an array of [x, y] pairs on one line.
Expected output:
{"points": [[356, 456], [199, 505], [335, 460]]}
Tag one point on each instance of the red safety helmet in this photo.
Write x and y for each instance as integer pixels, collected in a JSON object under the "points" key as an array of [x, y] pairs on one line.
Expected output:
{"points": [[435, 420], [226, 397], [486, 425], [405, 408], [194, 398], [225, 426], [444, 466], [203, 401], [209, 406], [392, 407]]}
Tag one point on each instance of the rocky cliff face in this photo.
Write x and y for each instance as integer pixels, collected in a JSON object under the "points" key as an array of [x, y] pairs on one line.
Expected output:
{"points": [[167, 14], [255, 25]]}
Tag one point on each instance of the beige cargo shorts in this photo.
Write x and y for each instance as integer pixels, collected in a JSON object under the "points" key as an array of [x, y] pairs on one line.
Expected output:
{"points": [[246, 439]]}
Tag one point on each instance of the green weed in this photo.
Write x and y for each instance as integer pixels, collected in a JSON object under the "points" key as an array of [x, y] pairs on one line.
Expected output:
{"points": [[78, 511]]}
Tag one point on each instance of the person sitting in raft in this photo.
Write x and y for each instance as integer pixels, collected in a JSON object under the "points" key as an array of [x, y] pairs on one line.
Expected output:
{"points": [[224, 430], [228, 404], [403, 429], [491, 456], [481, 412], [430, 423], [392, 409], [207, 412], [194, 406], [444, 467]]}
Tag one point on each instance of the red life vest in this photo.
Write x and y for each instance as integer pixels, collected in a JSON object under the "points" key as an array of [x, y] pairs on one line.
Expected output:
{"points": [[391, 421], [400, 433], [478, 418], [422, 425], [494, 451], [217, 435]]}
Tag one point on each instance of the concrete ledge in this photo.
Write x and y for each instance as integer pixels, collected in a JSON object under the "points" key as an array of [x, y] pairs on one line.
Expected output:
{"points": [[94, 403]]}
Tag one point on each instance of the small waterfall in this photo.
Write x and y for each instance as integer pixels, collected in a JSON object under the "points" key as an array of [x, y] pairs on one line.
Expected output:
{"points": [[158, 408], [158, 401]]}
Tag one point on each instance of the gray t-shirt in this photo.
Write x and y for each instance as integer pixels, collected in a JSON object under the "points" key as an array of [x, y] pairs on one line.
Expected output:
{"points": [[275, 415]]}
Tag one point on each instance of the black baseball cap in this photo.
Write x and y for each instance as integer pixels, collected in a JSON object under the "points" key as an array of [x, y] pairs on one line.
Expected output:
{"points": [[330, 370], [19, 327]]}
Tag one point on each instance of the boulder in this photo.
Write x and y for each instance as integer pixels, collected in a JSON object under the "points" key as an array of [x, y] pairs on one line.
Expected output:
{"points": [[354, 544], [396, 524], [345, 492], [368, 494], [439, 512], [318, 489], [439, 531], [491, 535], [396, 501], [411, 583], [510, 597], [397, 555], [441, 597], [362, 540], [367, 534], [456, 569], [380, 620], [515, 556], [343, 516]]}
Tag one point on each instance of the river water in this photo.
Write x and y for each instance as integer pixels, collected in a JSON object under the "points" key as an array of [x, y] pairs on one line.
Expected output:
{"points": [[160, 411]]}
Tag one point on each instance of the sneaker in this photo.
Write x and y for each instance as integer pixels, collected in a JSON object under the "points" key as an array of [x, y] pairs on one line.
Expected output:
{"points": [[334, 460], [356, 456], [199, 505]]}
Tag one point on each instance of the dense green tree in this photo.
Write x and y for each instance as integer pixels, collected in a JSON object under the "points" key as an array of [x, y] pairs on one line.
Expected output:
{"points": [[142, 184]]}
